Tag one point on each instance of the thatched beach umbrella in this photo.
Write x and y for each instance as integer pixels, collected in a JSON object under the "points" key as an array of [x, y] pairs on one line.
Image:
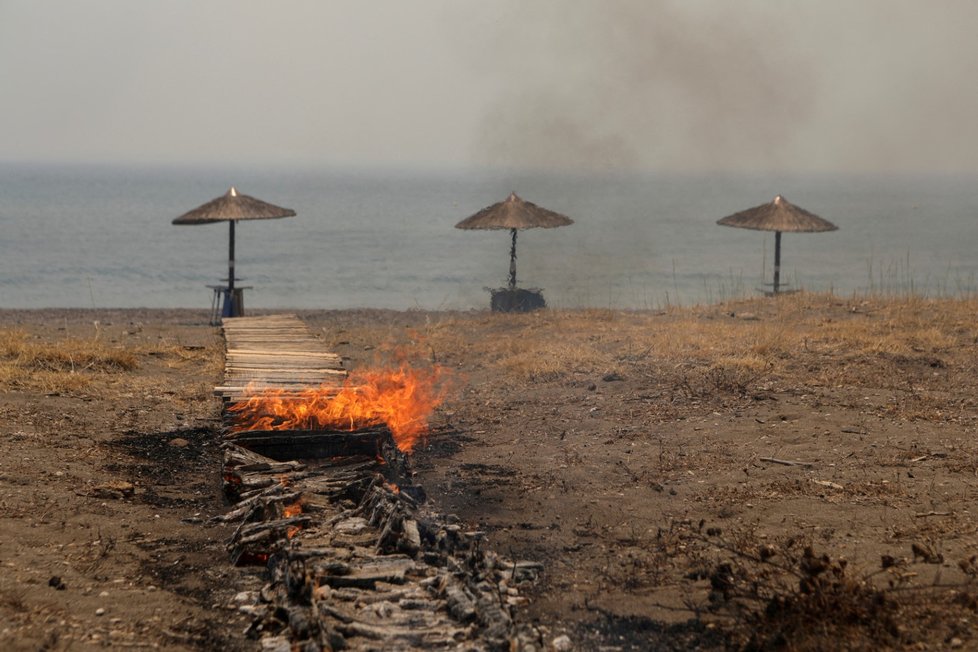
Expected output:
{"points": [[514, 214], [779, 216], [231, 207]]}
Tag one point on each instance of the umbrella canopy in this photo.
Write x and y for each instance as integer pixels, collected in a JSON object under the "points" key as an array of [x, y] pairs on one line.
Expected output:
{"points": [[779, 215], [231, 207], [514, 214]]}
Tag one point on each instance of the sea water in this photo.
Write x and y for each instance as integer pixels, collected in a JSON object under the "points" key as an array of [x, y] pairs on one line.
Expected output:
{"points": [[101, 236]]}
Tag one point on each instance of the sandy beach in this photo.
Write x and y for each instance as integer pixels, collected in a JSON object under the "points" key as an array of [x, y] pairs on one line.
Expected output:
{"points": [[797, 471]]}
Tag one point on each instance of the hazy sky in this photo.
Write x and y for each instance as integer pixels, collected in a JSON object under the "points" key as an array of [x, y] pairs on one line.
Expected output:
{"points": [[806, 85]]}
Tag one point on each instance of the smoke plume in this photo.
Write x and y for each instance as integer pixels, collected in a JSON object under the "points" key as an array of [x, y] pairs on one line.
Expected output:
{"points": [[619, 83]]}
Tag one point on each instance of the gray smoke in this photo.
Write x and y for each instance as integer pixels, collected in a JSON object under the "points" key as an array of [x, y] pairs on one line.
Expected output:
{"points": [[617, 83]]}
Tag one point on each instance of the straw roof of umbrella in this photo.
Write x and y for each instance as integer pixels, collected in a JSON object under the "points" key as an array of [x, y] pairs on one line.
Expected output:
{"points": [[514, 213], [778, 215], [233, 206]]}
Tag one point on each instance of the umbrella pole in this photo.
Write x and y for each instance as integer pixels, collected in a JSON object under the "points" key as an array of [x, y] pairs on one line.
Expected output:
{"points": [[777, 260], [229, 307], [512, 262]]}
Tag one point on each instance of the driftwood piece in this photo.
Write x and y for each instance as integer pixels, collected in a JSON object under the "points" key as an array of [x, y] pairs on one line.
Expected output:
{"points": [[829, 484], [397, 637], [271, 467], [460, 603], [774, 460], [253, 531], [276, 494], [391, 569], [410, 541]]}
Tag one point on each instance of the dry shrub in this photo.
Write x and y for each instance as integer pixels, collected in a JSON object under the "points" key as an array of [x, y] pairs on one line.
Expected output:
{"points": [[785, 595]]}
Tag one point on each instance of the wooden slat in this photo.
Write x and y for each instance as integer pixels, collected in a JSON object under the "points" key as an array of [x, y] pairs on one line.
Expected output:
{"points": [[275, 352]]}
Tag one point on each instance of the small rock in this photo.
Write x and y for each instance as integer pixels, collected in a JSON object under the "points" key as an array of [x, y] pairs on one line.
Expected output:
{"points": [[57, 583], [100, 611], [612, 377], [562, 643], [179, 442]]}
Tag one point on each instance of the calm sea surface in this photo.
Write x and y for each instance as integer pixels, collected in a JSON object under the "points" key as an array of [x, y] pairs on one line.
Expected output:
{"points": [[102, 237]]}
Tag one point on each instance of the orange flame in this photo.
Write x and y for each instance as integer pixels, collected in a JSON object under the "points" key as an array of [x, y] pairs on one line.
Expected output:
{"points": [[403, 399], [288, 511]]}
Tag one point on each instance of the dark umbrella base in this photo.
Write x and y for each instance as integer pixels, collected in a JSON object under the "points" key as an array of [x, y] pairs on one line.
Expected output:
{"points": [[517, 300], [226, 303]]}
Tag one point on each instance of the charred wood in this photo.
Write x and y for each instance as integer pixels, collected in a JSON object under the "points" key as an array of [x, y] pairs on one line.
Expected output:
{"points": [[288, 445], [372, 568]]}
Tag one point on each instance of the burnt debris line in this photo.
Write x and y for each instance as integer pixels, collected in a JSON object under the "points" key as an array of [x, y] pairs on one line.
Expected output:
{"points": [[356, 558]]}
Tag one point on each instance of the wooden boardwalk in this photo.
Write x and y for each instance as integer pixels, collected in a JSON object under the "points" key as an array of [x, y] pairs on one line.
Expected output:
{"points": [[274, 352], [339, 522]]}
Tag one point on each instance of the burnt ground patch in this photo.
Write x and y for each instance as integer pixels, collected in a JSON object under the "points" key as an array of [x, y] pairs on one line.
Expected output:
{"points": [[178, 471], [185, 449], [443, 442], [635, 634], [173, 469]]}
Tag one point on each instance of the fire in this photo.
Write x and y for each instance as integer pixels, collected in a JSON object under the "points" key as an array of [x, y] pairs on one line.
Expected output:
{"points": [[288, 511], [403, 399]]}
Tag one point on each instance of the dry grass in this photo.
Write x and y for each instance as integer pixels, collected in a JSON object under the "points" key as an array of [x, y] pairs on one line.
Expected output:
{"points": [[914, 348], [67, 365], [799, 341]]}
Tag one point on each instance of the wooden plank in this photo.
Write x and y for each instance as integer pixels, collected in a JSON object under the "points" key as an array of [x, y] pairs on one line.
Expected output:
{"points": [[251, 388], [275, 353]]}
